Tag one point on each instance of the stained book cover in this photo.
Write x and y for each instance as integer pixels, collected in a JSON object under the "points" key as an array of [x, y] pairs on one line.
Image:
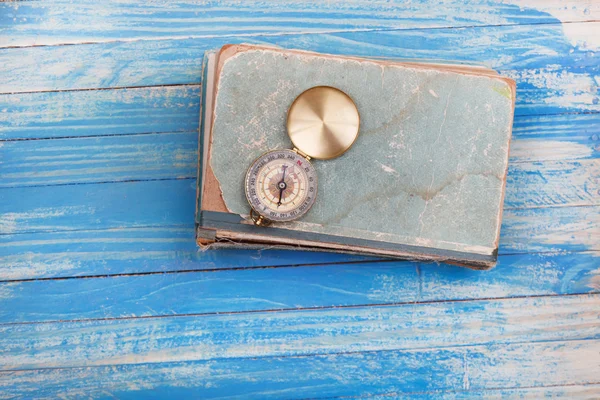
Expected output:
{"points": [[424, 180]]}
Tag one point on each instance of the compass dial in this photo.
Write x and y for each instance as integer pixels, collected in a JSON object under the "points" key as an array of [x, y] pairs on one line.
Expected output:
{"points": [[281, 185]]}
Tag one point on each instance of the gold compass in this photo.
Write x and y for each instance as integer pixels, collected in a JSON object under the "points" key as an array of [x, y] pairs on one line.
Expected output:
{"points": [[281, 185]]}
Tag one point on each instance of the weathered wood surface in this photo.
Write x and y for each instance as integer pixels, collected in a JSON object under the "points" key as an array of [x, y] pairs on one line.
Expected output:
{"points": [[293, 333], [171, 203], [174, 156], [551, 78], [160, 109], [104, 293], [287, 288], [88, 21], [426, 372], [85, 113]]}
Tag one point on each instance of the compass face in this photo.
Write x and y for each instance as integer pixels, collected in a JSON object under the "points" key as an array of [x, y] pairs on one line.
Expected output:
{"points": [[281, 185]]}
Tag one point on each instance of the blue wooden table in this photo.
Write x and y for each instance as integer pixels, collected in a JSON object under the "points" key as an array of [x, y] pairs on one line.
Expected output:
{"points": [[103, 292]]}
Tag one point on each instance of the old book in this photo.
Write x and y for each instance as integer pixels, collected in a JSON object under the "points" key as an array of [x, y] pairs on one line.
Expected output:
{"points": [[424, 180]]}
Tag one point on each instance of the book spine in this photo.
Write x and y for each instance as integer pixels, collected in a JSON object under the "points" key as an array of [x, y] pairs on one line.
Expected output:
{"points": [[199, 182]]}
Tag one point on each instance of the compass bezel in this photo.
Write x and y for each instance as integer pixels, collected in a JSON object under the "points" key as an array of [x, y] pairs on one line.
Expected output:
{"points": [[270, 214]]}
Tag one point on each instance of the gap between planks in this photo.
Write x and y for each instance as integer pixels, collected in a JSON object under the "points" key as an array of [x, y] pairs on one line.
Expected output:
{"points": [[188, 271], [191, 85], [501, 333], [180, 178], [318, 354], [95, 136], [413, 263], [480, 392], [303, 309], [513, 138], [192, 178], [295, 33], [196, 378]]}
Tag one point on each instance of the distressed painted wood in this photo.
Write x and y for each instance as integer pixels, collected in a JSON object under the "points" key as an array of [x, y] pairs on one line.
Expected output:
{"points": [[290, 287], [552, 183], [555, 72], [170, 203], [147, 250], [166, 203], [505, 368], [587, 391], [99, 112], [200, 330], [209, 292], [58, 22], [174, 156], [175, 109], [134, 250], [294, 333], [555, 137], [550, 229], [99, 159], [515, 275]]}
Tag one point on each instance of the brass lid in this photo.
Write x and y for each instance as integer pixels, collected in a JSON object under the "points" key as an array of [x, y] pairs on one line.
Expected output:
{"points": [[323, 122]]}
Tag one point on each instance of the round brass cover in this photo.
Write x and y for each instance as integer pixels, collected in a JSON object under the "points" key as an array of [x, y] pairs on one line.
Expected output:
{"points": [[323, 122]]}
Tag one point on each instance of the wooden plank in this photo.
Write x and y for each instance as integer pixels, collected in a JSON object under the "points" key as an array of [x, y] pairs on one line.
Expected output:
{"points": [[569, 87], [170, 203], [174, 156], [409, 374], [175, 109], [135, 250], [303, 332], [555, 73], [553, 183], [568, 361], [209, 292], [550, 229], [555, 137], [117, 205], [515, 275], [99, 159], [259, 289], [587, 391], [99, 112], [59, 21], [262, 378], [147, 250]]}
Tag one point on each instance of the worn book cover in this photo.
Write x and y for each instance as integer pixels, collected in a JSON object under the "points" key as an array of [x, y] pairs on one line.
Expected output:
{"points": [[424, 180]]}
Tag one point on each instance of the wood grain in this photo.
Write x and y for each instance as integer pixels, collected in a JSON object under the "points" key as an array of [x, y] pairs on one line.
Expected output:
{"points": [[166, 203], [99, 159], [156, 318], [588, 391], [304, 332], [518, 369], [99, 112], [550, 229], [170, 203], [176, 109], [134, 250], [555, 137], [241, 286], [174, 156], [553, 183], [555, 73], [60, 21]]}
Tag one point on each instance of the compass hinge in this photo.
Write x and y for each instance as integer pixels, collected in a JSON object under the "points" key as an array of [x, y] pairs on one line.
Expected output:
{"points": [[295, 150], [258, 219]]}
